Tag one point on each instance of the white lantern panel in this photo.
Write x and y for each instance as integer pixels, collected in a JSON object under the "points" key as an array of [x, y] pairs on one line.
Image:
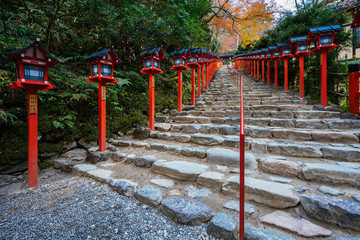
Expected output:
{"points": [[106, 70], [156, 63], [34, 72]]}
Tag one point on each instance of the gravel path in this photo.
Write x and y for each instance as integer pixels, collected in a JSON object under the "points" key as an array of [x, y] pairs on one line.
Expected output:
{"points": [[80, 208]]}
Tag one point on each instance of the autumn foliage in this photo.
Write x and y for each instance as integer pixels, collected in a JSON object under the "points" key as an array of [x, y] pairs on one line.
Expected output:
{"points": [[243, 20]]}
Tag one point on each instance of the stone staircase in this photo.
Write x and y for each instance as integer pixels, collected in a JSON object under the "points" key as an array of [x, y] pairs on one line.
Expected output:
{"points": [[302, 164]]}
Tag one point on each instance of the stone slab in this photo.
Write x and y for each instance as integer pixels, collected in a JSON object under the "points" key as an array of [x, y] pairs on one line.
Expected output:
{"points": [[299, 226], [184, 211], [273, 194], [181, 170]]}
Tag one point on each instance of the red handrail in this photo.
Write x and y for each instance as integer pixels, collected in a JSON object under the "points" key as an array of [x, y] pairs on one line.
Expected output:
{"points": [[236, 75]]}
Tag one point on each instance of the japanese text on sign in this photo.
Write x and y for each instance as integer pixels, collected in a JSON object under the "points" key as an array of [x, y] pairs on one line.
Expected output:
{"points": [[33, 104], [103, 93]]}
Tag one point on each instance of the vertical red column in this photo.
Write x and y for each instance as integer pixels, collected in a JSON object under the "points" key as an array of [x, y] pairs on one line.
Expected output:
{"points": [[102, 117], [207, 75], [202, 82], [179, 91], [301, 64], [251, 67], [286, 80], [258, 69], [254, 68], [33, 138], [199, 80], [276, 73], [324, 78], [351, 93], [151, 102], [192, 86], [242, 166], [263, 70], [268, 72]]}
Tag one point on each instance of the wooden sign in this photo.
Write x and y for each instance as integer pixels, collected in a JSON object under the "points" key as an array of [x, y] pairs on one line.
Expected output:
{"points": [[103, 93], [33, 104], [153, 81]]}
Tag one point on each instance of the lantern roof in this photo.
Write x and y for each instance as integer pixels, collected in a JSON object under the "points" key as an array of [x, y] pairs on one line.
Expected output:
{"points": [[103, 53], [181, 52], [283, 45], [195, 51], [324, 29], [272, 48], [154, 51], [297, 40], [356, 22], [15, 55]]}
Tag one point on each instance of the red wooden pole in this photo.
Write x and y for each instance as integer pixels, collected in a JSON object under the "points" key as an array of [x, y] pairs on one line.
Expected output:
{"points": [[179, 91], [151, 102], [242, 166], [324, 78], [268, 72], [354, 92], [32, 138], [254, 63], [286, 80], [276, 72], [192, 86], [207, 75], [257, 69], [263, 70], [102, 117], [202, 82], [199, 81], [251, 67], [301, 64]]}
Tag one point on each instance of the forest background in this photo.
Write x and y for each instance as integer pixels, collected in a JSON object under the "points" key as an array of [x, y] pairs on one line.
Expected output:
{"points": [[73, 29]]}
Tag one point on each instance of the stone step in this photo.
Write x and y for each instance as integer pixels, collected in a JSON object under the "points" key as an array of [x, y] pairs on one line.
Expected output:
{"points": [[198, 139], [273, 194], [303, 149], [335, 136], [304, 123]]}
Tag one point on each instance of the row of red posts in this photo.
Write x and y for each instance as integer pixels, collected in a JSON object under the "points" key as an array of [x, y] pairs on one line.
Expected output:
{"points": [[323, 39], [33, 62], [237, 79]]}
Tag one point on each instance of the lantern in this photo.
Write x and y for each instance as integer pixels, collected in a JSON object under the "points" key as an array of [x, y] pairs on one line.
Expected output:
{"points": [[151, 60], [179, 59], [151, 63], [32, 65], [193, 62], [323, 36], [301, 45], [102, 64], [285, 52], [302, 49], [194, 56]]}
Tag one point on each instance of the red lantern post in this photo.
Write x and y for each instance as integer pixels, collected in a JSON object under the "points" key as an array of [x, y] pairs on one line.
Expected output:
{"points": [[285, 53], [276, 57], [323, 37], [151, 63], [179, 64], [269, 56], [102, 64], [302, 49], [32, 65], [263, 57], [193, 63]]}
